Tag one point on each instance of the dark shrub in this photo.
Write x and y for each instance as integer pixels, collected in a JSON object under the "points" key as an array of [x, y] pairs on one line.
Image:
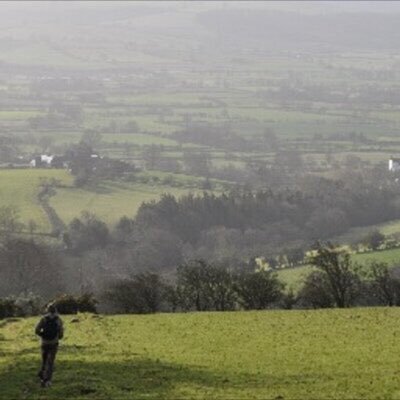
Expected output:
{"points": [[374, 239], [205, 287], [8, 308], [68, 304], [142, 294], [383, 285], [29, 305], [258, 290], [315, 292], [87, 303], [289, 300]]}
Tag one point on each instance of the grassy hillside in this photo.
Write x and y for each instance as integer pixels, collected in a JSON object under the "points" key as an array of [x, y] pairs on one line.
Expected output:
{"points": [[20, 188], [275, 354], [391, 257], [357, 234]]}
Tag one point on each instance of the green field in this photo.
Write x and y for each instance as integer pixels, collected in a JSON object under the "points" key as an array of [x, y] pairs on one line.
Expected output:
{"points": [[391, 228], [19, 188], [357, 234], [295, 96], [110, 201], [294, 277], [391, 257], [138, 139], [17, 114], [328, 354]]}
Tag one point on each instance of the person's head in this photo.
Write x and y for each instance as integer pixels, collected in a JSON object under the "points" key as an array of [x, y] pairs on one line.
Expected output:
{"points": [[51, 309]]}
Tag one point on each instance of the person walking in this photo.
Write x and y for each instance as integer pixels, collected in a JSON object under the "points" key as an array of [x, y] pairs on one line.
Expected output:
{"points": [[50, 329]]}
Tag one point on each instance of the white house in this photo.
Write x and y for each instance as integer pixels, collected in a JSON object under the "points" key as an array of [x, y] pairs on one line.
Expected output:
{"points": [[42, 160], [394, 164]]}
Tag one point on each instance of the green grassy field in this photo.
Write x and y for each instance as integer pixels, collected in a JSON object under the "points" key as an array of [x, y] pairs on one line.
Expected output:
{"points": [[390, 228], [110, 201], [357, 234], [19, 188], [328, 354], [391, 257], [18, 115], [138, 139], [294, 277]]}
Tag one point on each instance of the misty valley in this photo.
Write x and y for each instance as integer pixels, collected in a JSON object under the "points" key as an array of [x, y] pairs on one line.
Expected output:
{"points": [[186, 157]]}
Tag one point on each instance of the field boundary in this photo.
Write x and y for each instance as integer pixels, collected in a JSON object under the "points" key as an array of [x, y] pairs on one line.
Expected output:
{"points": [[56, 223]]}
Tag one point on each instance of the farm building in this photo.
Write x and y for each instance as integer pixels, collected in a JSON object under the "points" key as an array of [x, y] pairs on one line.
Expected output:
{"points": [[394, 164], [46, 161], [41, 161]]}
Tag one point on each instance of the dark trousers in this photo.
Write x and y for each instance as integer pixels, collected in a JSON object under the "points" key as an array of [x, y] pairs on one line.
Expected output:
{"points": [[49, 352]]}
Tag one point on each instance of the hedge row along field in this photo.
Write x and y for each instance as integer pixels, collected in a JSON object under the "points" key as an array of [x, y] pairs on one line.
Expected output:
{"points": [[19, 188], [328, 354]]}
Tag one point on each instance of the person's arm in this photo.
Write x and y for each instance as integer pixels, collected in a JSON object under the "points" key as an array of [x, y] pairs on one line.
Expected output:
{"points": [[61, 331], [39, 327]]}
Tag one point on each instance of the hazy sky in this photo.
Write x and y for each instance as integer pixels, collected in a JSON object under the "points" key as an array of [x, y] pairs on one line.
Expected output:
{"points": [[32, 7]]}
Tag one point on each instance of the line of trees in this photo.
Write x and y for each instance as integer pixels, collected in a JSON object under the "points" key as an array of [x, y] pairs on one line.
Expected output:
{"points": [[231, 228], [336, 281], [199, 286]]}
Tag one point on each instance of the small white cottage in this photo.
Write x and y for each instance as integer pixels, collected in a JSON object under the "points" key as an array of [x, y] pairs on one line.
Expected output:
{"points": [[41, 161], [394, 164]]}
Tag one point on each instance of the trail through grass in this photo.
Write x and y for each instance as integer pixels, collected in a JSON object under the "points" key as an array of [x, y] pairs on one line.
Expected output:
{"points": [[19, 188]]}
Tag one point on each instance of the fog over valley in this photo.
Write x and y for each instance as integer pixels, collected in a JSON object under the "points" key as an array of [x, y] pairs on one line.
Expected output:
{"points": [[144, 145]]}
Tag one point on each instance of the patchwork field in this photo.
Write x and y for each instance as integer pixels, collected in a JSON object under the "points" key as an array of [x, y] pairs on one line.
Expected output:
{"points": [[327, 354]]}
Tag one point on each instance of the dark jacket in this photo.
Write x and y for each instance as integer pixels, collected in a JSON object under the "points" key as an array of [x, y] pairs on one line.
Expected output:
{"points": [[41, 324]]}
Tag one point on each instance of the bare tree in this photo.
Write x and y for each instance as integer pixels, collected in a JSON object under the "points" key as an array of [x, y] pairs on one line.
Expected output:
{"points": [[342, 281], [385, 287]]}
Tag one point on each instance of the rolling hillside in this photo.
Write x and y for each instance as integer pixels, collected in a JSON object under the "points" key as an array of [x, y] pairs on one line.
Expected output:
{"points": [[274, 354]]}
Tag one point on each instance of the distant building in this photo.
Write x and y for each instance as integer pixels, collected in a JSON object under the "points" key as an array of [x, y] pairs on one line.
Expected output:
{"points": [[42, 161], [394, 164], [46, 161]]}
